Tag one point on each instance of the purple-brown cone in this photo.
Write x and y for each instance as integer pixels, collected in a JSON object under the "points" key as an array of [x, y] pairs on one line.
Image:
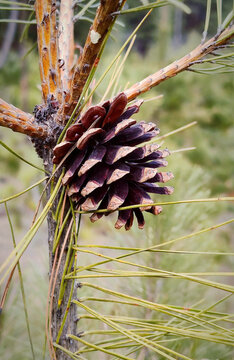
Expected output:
{"points": [[107, 168]]}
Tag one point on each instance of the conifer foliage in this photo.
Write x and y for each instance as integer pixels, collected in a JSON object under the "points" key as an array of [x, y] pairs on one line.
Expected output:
{"points": [[99, 159]]}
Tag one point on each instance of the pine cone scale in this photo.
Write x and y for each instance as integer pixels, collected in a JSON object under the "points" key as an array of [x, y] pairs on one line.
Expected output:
{"points": [[110, 165], [95, 157]]}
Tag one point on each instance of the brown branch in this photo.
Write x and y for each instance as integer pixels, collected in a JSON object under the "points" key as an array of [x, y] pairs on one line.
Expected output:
{"points": [[180, 65], [19, 121], [95, 39], [47, 34], [66, 45]]}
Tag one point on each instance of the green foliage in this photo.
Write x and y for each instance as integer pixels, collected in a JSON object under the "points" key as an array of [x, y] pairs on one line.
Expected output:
{"points": [[186, 98], [172, 223], [168, 302]]}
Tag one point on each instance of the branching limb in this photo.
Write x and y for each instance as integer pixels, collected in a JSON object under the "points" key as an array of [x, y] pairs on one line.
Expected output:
{"points": [[180, 65], [96, 37], [66, 45], [47, 34], [17, 120]]}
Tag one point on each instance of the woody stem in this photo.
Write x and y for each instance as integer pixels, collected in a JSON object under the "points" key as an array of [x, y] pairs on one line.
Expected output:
{"points": [[20, 121], [180, 65]]}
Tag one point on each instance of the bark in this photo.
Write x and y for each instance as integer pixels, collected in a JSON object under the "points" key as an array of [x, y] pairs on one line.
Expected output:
{"points": [[103, 21], [47, 35], [66, 45], [180, 65], [20, 121], [57, 314]]}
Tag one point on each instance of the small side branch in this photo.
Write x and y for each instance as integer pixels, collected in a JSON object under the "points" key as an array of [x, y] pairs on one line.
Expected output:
{"points": [[104, 19], [180, 65], [19, 121], [47, 34]]}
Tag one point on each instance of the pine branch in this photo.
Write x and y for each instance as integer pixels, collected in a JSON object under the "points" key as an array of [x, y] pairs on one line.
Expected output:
{"points": [[47, 34], [95, 39], [180, 65], [19, 121], [66, 45]]}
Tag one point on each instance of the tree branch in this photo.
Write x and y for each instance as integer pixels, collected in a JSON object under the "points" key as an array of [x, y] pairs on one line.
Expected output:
{"points": [[66, 46], [19, 121], [180, 65], [95, 39], [47, 34]]}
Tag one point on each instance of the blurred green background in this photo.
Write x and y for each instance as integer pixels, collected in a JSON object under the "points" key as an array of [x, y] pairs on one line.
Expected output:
{"points": [[206, 171]]}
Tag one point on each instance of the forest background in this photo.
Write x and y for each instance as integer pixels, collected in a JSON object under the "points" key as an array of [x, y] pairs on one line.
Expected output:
{"points": [[204, 171]]}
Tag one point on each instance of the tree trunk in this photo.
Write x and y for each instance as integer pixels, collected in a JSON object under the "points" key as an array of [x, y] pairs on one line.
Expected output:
{"points": [[58, 313]]}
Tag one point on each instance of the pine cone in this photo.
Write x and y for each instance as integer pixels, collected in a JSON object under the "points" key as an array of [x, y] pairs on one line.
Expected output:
{"points": [[106, 165]]}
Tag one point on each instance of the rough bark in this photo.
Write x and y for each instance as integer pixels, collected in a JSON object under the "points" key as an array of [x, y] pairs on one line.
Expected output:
{"points": [[57, 314], [103, 21], [180, 65], [20, 121], [47, 35]]}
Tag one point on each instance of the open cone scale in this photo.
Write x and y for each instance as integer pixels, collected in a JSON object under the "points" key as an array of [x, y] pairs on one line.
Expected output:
{"points": [[112, 165]]}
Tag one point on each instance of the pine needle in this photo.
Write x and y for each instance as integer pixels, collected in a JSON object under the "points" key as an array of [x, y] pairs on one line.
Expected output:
{"points": [[21, 285], [23, 192], [20, 157], [207, 21]]}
